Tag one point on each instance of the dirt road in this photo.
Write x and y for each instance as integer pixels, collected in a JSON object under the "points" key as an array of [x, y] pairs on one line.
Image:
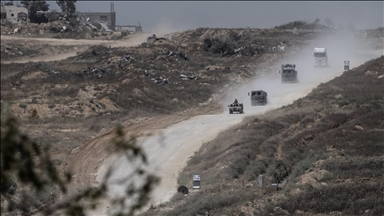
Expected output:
{"points": [[168, 150], [170, 147], [133, 40]]}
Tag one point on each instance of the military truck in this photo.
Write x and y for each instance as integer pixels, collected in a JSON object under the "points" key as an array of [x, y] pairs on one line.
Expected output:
{"points": [[320, 57], [258, 97], [236, 107], [288, 73]]}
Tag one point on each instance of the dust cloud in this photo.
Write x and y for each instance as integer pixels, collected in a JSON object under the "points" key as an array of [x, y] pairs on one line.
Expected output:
{"points": [[168, 153], [341, 46], [164, 28]]}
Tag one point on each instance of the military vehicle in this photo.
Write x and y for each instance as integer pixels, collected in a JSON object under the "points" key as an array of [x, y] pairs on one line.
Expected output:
{"points": [[320, 57], [236, 107], [288, 73], [258, 97]]}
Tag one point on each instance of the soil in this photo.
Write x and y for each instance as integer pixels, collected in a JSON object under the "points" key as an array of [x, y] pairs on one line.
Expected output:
{"points": [[180, 133]]}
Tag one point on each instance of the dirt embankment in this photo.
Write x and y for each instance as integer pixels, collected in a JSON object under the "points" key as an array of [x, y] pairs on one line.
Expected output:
{"points": [[27, 49], [59, 29], [72, 102], [320, 144]]}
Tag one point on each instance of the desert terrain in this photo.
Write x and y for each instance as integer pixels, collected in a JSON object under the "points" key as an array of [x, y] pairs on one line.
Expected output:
{"points": [[172, 94]]}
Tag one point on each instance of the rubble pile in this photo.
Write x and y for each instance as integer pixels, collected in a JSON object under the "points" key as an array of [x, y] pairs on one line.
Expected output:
{"points": [[217, 46], [229, 42], [172, 63], [125, 59], [243, 35], [62, 28], [227, 48], [92, 72], [154, 67], [176, 53], [244, 41], [160, 80]]}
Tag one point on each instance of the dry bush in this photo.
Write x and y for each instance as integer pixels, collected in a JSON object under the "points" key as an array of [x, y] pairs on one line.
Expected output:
{"points": [[306, 162], [350, 199], [202, 204], [254, 169], [352, 167]]}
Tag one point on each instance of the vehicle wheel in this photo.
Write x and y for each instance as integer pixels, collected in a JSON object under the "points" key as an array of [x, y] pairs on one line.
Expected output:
{"points": [[230, 112], [182, 189]]}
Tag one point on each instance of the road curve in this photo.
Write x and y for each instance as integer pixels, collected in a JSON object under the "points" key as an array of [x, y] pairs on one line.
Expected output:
{"points": [[168, 150]]}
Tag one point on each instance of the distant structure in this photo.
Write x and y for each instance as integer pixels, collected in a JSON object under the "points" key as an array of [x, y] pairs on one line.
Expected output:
{"points": [[13, 13], [130, 28], [104, 18]]}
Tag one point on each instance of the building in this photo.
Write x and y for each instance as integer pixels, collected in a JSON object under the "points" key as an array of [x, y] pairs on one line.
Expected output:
{"points": [[130, 28], [13, 13], [3, 13], [107, 18]]}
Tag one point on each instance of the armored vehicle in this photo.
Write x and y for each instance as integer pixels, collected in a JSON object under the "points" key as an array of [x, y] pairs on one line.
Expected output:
{"points": [[288, 73], [236, 107], [258, 97]]}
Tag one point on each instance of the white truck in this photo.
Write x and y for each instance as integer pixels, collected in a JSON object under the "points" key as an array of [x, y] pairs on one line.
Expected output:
{"points": [[321, 58]]}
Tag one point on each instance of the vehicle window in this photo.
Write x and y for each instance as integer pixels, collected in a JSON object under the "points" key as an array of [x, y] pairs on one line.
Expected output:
{"points": [[319, 54]]}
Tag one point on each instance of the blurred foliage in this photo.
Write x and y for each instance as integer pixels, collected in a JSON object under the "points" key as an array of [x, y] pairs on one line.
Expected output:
{"points": [[29, 178], [68, 7], [40, 5]]}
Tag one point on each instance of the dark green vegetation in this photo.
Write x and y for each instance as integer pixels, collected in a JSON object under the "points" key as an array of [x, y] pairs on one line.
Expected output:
{"points": [[325, 150]]}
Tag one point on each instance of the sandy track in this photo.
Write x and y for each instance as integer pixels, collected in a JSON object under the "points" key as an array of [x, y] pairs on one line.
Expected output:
{"points": [[169, 149], [133, 40], [178, 137]]}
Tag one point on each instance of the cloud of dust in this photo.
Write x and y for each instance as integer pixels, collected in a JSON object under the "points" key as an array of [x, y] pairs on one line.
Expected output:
{"points": [[340, 46], [165, 27]]}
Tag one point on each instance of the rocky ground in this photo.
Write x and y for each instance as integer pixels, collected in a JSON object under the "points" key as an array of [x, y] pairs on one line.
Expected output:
{"points": [[73, 103], [324, 148], [59, 29]]}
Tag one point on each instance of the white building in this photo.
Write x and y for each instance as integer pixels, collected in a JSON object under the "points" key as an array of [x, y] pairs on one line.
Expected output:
{"points": [[130, 28], [14, 13]]}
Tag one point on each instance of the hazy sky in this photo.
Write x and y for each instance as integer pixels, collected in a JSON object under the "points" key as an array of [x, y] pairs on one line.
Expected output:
{"points": [[183, 15]]}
